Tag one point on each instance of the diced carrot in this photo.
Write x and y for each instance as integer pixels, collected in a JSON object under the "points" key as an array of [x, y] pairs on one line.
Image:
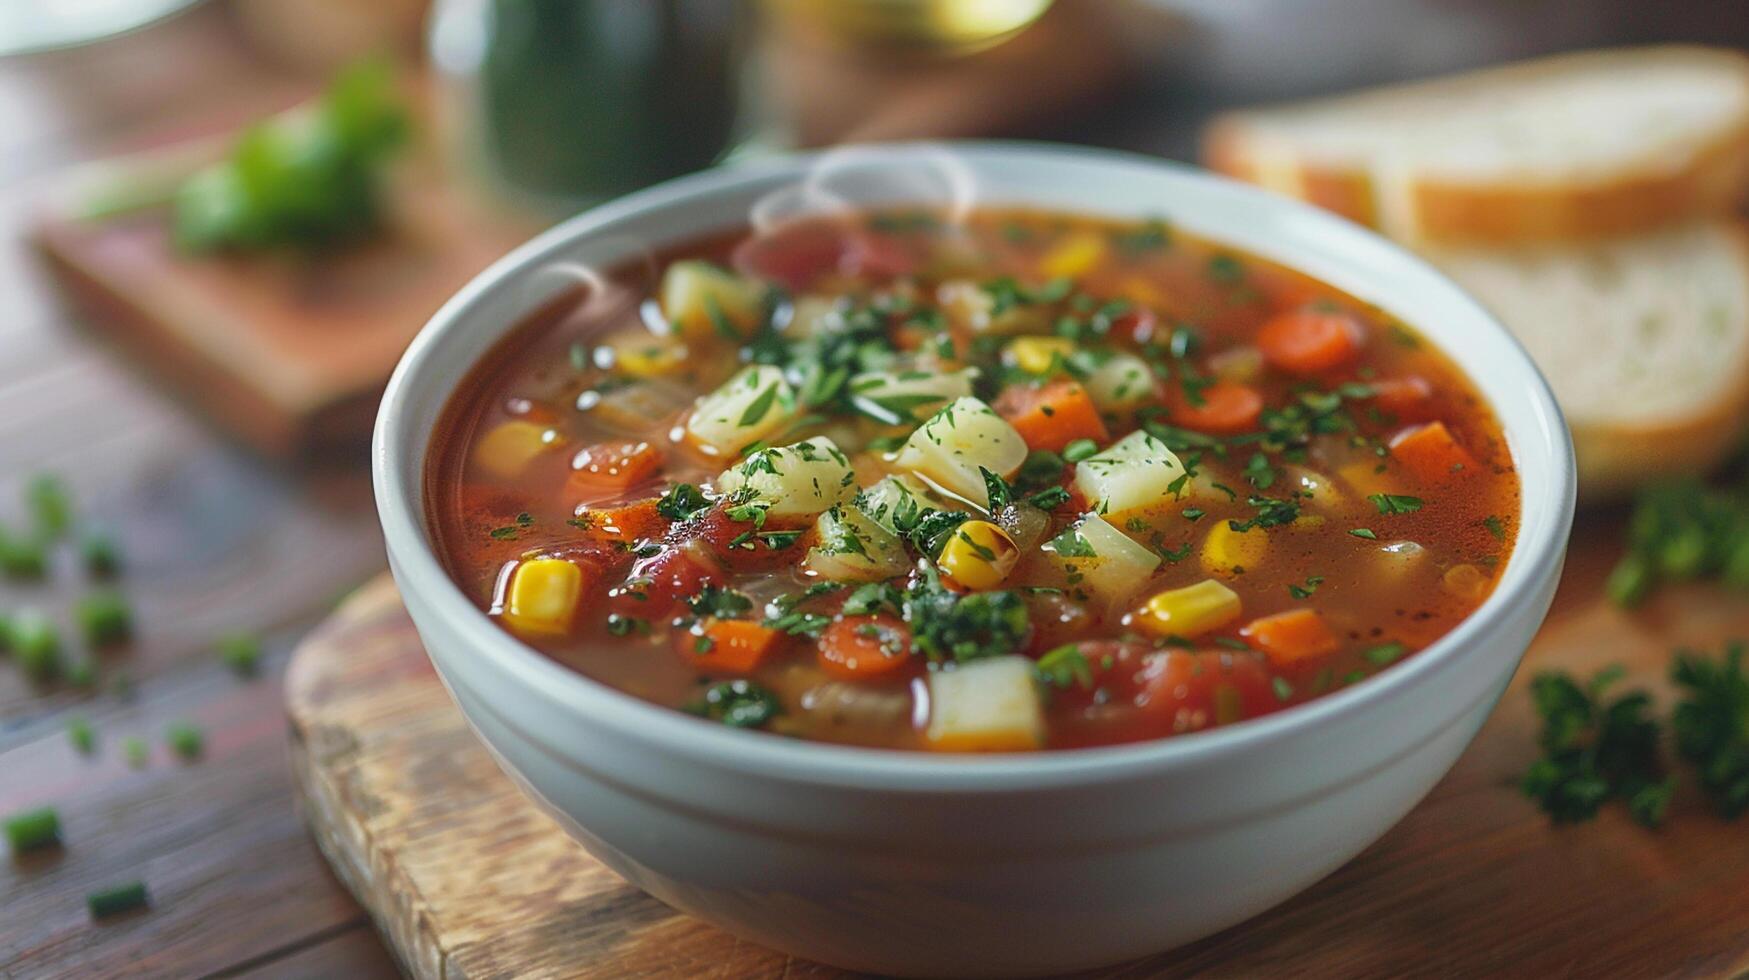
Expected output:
{"points": [[624, 524], [1051, 416], [1292, 637], [861, 647], [1408, 397], [1431, 453], [1226, 408], [613, 467], [1310, 341], [727, 646]]}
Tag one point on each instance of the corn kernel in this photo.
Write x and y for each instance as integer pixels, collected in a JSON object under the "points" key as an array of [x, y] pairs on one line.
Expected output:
{"points": [[1078, 254], [543, 595], [1190, 611], [1229, 552], [507, 450], [1036, 355], [979, 555], [648, 356]]}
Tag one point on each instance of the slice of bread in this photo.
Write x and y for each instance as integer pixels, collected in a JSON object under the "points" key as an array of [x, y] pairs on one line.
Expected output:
{"points": [[1567, 147], [1645, 340]]}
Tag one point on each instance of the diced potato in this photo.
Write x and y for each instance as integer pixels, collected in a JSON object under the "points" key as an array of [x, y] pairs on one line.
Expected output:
{"points": [[897, 495], [1120, 383], [853, 548], [638, 353], [904, 397], [1465, 582], [1364, 478], [985, 706], [810, 315], [1400, 558], [1111, 567], [757, 402], [1136, 471], [978, 556], [1320, 492], [1074, 256], [542, 597], [971, 307], [1241, 365], [949, 449], [1229, 552], [1190, 611], [803, 479], [703, 302], [507, 450], [1036, 355]]}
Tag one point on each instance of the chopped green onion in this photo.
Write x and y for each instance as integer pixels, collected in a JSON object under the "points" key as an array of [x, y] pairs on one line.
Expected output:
{"points": [[36, 645], [104, 618], [50, 505], [82, 735], [99, 552], [33, 830], [117, 899], [186, 740], [1079, 450], [241, 652], [134, 749], [22, 557]]}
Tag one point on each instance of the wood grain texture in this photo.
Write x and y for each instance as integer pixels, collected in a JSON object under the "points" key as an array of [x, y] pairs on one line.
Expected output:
{"points": [[468, 880]]}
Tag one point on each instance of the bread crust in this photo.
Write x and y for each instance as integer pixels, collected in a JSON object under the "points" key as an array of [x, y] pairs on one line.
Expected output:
{"points": [[1711, 179]]}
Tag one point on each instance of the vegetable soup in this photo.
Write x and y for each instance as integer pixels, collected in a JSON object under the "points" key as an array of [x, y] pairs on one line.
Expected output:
{"points": [[1016, 481]]}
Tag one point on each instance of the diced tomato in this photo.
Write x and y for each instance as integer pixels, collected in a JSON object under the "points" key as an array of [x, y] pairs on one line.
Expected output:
{"points": [[1056, 620], [863, 647], [1408, 398], [726, 646], [1137, 323], [794, 254], [745, 546], [1293, 638], [1226, 408], [659, 585], [876, 255], [1432, 453], [612, 468], [1139, 692], [1311, 341], [1051, 416]]}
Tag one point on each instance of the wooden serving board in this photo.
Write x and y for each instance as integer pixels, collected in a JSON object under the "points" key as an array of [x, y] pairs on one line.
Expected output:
{"points": [[288, 354], [466, 879]]}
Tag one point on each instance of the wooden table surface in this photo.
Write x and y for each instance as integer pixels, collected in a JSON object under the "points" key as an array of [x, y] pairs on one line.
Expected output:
{"points": [[215, 540]]}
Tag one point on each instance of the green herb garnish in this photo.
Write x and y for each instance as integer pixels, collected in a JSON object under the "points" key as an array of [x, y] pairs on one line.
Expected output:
{"points": [[1711, 724], [33, 830], [1595, 750], [81, 735], [186, 740], [104, 618], [738, 703], [306, 181], [1391, 503], [1064, 666], [241, 652]]}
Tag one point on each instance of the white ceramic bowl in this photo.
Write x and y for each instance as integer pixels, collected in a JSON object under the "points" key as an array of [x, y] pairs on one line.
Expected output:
{"points": [[910, 863]]}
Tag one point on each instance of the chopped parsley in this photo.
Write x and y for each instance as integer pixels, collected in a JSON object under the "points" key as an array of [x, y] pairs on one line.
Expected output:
{"points": [[739, 703], [949, 626], [1595, 749], [719, 603], [1063, 667], [1392, 503]]}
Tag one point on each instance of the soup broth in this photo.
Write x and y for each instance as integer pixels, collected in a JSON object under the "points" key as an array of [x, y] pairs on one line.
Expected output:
{"points": [[1019, 481]]}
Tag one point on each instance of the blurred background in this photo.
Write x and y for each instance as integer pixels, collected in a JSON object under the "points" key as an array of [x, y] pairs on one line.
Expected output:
{"points": [[221, 222]]}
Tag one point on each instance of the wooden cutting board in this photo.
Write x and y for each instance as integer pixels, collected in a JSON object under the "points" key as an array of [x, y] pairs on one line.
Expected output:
{"points": [[466, 879], [288, 354]]}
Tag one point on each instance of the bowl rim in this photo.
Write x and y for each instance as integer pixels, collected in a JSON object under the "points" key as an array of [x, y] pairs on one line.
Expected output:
{"points": [[1534, 562]]}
